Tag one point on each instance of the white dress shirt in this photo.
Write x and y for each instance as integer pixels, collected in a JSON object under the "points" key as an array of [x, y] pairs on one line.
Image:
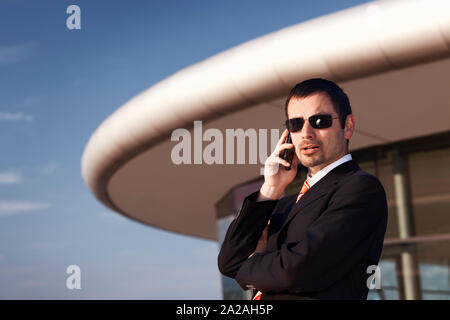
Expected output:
{"points": [[319, 175], [312, 180]]}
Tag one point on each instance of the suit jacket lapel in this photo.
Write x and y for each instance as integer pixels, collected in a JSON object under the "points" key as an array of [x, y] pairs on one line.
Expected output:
{"points": [[321, 188]]}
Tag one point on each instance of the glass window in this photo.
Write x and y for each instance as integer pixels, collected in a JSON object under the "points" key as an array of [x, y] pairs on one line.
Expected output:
{"points": [[433, 269], [430, 190]]}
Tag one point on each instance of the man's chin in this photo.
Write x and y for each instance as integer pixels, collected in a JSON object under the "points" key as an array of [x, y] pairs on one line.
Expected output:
{"points": [[311, 161]]}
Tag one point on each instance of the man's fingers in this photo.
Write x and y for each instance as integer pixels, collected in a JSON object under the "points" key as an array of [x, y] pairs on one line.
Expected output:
{"points": [[274, 160], [283, 137], [281, 147], [285, 146]]}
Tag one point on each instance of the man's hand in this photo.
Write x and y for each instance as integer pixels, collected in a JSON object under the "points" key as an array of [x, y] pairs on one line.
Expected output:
{"points": [[275, 177]]}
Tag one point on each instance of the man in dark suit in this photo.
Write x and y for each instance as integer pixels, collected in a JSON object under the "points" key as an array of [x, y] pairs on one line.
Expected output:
{"points": [[319, 243]]}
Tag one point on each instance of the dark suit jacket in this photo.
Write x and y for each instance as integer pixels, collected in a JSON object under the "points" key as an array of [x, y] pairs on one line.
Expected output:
{"points": [[319, 247]]}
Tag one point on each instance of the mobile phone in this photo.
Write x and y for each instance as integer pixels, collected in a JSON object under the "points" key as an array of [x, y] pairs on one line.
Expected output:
{"points": [[288, 154]]}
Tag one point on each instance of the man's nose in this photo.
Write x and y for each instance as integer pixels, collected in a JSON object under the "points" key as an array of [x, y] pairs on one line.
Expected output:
{"points": [[307, 131]]}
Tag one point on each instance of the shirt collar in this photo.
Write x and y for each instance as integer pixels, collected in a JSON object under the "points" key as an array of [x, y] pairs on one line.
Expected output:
{"points": [[322, 173]]}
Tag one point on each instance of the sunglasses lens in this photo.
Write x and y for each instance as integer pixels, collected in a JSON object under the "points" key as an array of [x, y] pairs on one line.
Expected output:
{"points": [[294, 125], [321, 121]]}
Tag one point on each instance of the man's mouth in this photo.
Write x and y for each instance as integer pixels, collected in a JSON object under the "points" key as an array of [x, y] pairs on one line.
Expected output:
{"points": [[310, 149]]}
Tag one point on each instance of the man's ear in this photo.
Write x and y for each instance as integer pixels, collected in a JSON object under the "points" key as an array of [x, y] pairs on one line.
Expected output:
{"points": [[349, 126]]}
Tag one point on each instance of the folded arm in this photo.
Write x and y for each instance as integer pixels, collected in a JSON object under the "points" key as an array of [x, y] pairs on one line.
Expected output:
{"points": [[243, 234]]}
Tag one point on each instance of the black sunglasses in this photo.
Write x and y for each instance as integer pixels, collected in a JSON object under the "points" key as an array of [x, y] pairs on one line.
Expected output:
{"points": [[318, 121]]}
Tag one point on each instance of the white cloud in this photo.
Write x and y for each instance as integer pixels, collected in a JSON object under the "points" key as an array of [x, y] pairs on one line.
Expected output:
{"points": [[32, 284], [15, 175], [18, 116], [31, 101], [16, 53], [50, 167], [44, 245], [9, 272], [112, 216], [10, 177], [13, 207], [27, 102]]}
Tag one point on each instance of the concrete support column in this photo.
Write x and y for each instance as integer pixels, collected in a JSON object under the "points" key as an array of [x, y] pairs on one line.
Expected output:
{"points": [[409, 264]]}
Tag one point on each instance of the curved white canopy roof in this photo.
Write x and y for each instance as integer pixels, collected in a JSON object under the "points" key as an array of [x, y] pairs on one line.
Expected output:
{"points": [[391, 57]]}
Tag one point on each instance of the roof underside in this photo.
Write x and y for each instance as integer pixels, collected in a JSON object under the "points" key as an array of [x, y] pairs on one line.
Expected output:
{"points": [[392, 58]]}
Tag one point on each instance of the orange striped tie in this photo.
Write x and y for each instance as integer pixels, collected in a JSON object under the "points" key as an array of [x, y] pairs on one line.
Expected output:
{"points": [[305, 188]]}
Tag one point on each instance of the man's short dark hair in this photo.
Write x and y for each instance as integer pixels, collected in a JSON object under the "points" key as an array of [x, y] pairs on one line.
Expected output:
{"points": [[335, 93]]}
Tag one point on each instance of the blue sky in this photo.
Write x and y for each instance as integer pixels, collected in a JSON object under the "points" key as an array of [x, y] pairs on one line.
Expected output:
{"points": [[56, 87]]}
